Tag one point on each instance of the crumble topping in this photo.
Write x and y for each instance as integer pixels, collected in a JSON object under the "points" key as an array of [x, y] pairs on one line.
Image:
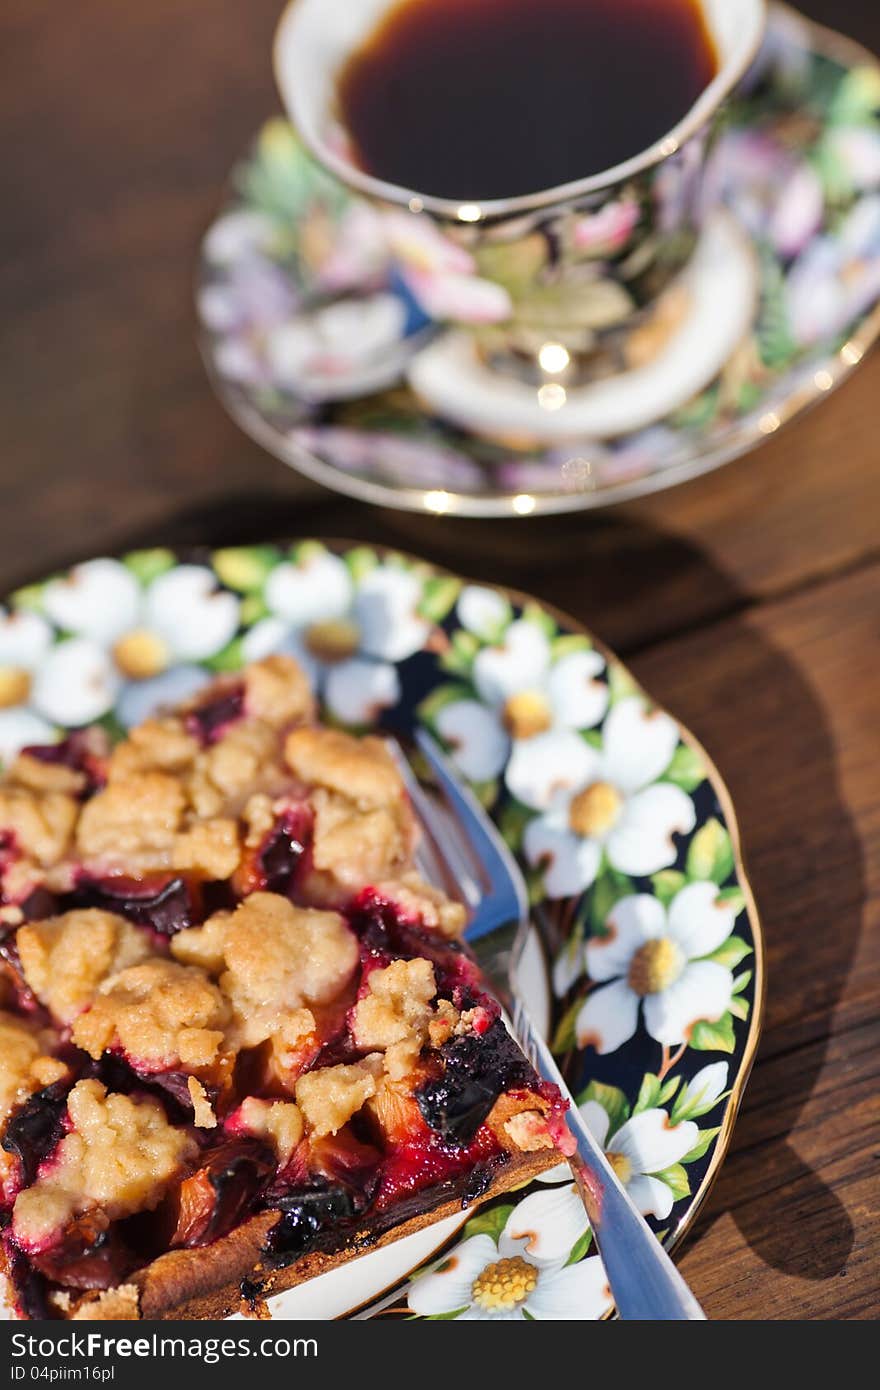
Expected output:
{"points": [[277, 691], [41, 824], [237, 787], [328, 1098], [397, 1005], [120, 1156], [228, 772], [39, 776], [280, 960], [203, 946], [64, 959], [444, 1024], [203, 1110], [278, 1121], [133, 820], [160, 1014], [159, 745], [359, 769], [210, 848], [353, 845], [24, 1064], [528, 1131]]}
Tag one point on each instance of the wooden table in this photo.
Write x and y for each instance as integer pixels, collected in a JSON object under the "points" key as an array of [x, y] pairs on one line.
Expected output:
{"points": [[748, 602]]}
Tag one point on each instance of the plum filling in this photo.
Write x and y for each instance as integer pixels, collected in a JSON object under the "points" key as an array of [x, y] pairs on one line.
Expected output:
{"points": [[382, 930], [222, 1192], [36, 1128], [476, 1070], [210, 720], [313, 1217], [28, 1285], [91, 1254], [166, 906], [281, 853]]}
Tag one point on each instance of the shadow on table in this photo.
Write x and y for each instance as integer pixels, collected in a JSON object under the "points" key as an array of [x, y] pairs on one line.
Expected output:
{"points": [[635, 586]]}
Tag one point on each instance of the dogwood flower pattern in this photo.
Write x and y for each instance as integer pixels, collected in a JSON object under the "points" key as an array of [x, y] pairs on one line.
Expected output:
{"points": [[482, 1280], [526, 699], [602, 800], [118, 633], [348, 634], [657, 961]]}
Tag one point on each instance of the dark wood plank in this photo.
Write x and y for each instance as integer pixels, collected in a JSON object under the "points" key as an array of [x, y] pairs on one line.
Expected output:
{"points": [[784, 698]]}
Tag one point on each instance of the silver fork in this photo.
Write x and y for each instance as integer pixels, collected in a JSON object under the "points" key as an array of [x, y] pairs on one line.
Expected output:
{"points": [[466, 852]]}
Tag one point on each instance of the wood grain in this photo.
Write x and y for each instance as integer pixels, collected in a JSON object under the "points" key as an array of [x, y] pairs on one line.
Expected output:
{"points": [[749, 601], [785, 698]]}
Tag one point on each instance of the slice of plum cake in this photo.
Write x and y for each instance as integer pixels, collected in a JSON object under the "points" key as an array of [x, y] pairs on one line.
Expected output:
{"points": [[241, 1040]]}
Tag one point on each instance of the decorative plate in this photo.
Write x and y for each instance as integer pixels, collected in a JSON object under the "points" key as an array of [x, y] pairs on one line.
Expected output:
{"points": [[627, 835], [312, 306]]}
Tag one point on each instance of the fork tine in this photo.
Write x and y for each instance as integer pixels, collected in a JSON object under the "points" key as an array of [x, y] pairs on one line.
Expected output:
{"points": [[507, 890]]}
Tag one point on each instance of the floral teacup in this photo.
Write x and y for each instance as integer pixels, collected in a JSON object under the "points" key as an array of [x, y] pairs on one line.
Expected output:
{"points": [[558, 287]]}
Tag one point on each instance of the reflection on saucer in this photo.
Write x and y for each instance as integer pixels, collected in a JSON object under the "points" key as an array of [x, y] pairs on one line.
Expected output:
{"points": [[718, 297]]}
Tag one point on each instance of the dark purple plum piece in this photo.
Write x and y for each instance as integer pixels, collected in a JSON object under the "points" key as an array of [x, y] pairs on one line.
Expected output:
{"points": [[166, 910], [36, 1127], [477, 1069]]}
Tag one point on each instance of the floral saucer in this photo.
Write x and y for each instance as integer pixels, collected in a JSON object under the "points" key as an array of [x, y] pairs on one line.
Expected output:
{"points": [[327, 327], [647, 957]]}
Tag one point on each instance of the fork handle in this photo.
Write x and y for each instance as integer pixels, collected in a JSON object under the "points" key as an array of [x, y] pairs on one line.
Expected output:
{"points": [[644, 1282]]}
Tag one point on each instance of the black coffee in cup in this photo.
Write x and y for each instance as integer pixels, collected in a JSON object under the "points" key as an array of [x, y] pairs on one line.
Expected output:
{"points": [[483, 99]]}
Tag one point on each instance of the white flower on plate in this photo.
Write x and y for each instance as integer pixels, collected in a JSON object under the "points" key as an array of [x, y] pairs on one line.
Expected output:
{"points": [[654, 958], [25, 641], [526, 699], [604, 800], [484, 1281], [348, 634], [640, 1152], [123, 632]]}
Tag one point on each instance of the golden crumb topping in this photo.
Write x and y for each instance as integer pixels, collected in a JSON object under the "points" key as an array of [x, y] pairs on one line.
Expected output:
{"points": [[240, 763], [41, 823], [397, 1005], [122, 1304], [360, 769], [353, 845], [277, 691], [120, 1155], [280, 960], [158, 745], [278, 1121], [133, 821], [328, 1098], [24, 1065], [203, 1110], [210, 848], [39, 776], [528, 1131], [64, 959], [159, 1013], [203, 946]]}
